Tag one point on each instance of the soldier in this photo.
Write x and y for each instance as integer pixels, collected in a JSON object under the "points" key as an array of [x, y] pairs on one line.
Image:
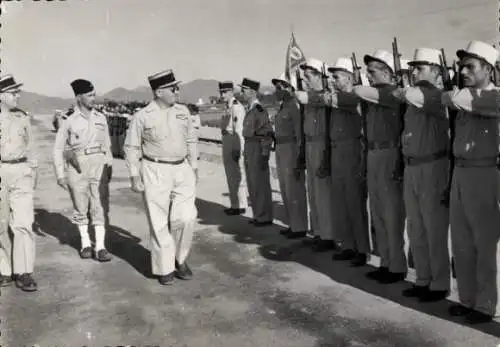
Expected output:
{"points": [[384, 176], [233, 144], [18, 170], [474, 202], [318, 181], [425, 149], [163, 135], [195, 119], [258, 134], [288, 138], [350, 217], [83, 141]]}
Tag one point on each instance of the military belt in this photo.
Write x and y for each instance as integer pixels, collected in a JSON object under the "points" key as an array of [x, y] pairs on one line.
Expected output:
{"points": [[411, 161], [372, 145], [352, 140], [315, 138], [90, 150], [160, 161], [15, 161], [476, 162], [280, 140], [226, 132]]}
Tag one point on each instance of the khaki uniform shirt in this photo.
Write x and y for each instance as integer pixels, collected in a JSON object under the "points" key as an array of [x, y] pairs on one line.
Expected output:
{"points": [[426, 124], [161, 133], [476, 126], [80, 132], [16, 136], [232, 121], [383, 118], [257, 126]]}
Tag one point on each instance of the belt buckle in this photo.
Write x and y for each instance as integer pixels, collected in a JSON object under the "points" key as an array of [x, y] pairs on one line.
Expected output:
{"points": [[93, 150]]}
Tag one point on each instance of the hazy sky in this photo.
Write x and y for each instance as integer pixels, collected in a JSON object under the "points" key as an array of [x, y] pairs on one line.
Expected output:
{"points": [[119, 42]]}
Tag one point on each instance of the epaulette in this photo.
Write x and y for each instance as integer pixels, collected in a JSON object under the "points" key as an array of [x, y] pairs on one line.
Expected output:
{"points": [[15, 109], [68, 113], [235, 102]]}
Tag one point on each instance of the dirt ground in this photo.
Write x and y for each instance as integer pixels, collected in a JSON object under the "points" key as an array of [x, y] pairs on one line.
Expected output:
{"points": [[250, 287]]}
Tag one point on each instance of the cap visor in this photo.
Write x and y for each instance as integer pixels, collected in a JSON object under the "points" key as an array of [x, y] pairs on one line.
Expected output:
{"points": [[12, 87], [169, 85], [463, 53], [276, 80], [333, 69]]}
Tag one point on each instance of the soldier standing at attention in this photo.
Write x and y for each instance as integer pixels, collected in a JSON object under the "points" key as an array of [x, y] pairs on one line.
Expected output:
{"points": [[233, 144], [425, 149], [258, 134], [83, 141], [474, 200], [385, 188], [288, 129], [18, 170], [318, 182], [163, 135], [350, 216], [196, 120]]}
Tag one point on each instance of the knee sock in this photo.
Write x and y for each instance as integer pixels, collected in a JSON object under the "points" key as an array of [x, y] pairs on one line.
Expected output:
{"points": [[99, 237], [84, 235]]}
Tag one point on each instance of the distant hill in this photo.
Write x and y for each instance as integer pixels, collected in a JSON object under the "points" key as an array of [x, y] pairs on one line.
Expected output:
{"points": [[190, 92], [36, 103]]}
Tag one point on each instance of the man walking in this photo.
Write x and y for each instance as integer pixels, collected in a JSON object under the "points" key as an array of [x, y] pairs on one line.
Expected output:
{"points": [[17, 169], [83, 141], [163, 135]]}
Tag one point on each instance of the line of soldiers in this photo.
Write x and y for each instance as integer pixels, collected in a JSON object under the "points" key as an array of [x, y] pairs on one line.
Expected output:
{"points": [[421, 148], [340, 145]]}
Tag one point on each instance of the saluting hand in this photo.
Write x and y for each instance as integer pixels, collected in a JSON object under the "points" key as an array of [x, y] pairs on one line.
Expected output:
{"points": [[137, 184]]}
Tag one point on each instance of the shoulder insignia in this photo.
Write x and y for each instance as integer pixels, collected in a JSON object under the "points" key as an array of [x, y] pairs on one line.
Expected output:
{"points": [[18, 110]]}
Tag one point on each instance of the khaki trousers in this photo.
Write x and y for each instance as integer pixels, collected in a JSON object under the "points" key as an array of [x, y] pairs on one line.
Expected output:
{"points": [[235, 171], [17, 253], [172, 220], [319, 190], [86, 190], [475, 231], [293, 190], [387, 208], [258, 180], [428, 220]]}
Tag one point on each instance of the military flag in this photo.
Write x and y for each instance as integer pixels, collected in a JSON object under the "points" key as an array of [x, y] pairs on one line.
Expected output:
{"points": [[294, 57]]}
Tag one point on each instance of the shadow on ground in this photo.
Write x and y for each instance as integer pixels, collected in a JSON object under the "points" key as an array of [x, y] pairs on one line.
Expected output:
{"points": [[274, 247], [119, 242]]}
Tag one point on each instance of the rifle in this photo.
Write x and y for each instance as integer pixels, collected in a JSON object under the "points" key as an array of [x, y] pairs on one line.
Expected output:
{"points": [[301, 159], [364, 109], [398, 71], [448, 84], [324, 169], [400, 165]]}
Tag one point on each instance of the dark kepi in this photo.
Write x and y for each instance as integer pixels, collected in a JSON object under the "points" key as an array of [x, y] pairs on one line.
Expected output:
{"points": [[8, 83]]}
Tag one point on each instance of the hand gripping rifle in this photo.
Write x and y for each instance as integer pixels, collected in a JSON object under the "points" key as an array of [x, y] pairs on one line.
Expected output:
{"points": [[448, 84], [301, 159], [324, 169], [400, 165]]}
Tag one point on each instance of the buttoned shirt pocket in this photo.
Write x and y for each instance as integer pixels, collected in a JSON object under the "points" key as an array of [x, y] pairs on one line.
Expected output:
{"points": [[101, 129], [77, 134]]}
